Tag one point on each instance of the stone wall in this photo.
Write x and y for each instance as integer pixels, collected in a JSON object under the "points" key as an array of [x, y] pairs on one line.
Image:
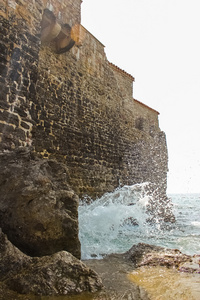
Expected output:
{"points": [[124, 82], [146, 119], [75, 107]]}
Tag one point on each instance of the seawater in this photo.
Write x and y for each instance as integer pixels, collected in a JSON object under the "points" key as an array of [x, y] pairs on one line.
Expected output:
{"points": [[118, 220]]}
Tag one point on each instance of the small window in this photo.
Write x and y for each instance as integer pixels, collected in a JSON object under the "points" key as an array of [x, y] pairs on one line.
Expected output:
{"points": [[139, 123]]}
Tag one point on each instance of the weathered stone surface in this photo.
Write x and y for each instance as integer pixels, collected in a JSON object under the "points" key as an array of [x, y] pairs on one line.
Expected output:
{"points": [[76, 107], [191, 266], [144, 254], [38, 209], [149, 255], [58, 274], [12, 260], [113, 270]]}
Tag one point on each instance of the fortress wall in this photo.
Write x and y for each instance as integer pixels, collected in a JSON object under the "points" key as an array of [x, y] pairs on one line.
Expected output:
{"points": [[90, 54], [146, 118], [72, 107], [83, 116], [19, 48], [65, 11], [124, 82]]}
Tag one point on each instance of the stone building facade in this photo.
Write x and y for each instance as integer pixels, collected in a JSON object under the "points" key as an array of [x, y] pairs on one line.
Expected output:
{"points": [[73, 105]]}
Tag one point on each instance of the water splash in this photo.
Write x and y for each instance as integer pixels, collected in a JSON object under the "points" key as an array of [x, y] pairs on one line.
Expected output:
{"points": [[116, 221]]}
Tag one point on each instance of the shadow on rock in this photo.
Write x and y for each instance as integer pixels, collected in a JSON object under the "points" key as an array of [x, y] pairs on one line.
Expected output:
{"points": [[57, 274]]}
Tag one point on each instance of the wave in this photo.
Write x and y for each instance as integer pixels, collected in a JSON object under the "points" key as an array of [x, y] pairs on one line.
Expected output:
{"points": [[116, 221], [195, 223]]}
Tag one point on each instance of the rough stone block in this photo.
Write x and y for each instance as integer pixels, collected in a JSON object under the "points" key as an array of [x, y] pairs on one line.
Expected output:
{"points": [[38, 209]]}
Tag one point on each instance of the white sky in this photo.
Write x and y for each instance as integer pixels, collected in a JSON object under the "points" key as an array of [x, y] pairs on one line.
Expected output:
{"points": [[158, 42]]}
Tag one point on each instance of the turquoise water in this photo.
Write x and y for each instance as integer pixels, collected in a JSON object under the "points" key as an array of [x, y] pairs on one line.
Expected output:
{"points": [[186, 234], [118, 220]]}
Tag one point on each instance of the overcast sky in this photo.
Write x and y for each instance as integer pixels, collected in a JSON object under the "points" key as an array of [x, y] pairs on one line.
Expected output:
{"points": [[158, 42]]}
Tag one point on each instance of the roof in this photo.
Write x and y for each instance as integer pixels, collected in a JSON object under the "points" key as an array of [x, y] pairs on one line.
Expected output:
{"points": [[121, 71], [146, 106]]}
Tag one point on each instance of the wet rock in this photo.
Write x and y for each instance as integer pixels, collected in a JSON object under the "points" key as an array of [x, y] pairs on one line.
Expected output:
{"points": [[149, 255], [38, 209], [113, 270], [192, 266], [57, 274]]}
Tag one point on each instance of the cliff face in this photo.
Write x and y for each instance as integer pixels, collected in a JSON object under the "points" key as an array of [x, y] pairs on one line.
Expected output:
{"points": [[74, 107]]}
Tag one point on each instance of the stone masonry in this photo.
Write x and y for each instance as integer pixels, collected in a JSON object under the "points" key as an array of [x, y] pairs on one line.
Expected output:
{"points": [[75, 107]]}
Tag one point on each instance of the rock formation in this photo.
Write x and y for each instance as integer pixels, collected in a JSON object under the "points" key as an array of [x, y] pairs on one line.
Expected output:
{"points": [[57, 274], [38, 209], [150, 255], [115, 268]]}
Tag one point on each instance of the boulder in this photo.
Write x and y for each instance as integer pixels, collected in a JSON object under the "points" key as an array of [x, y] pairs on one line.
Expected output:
{"points": [[12, 260], [38, 209], [149, 255], [57, 274]]}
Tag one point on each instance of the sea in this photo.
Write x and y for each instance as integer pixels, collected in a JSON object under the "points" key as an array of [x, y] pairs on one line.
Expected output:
{"points": [[117, 221]]}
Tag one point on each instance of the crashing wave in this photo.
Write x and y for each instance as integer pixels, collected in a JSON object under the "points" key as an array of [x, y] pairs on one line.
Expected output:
{"points": [[118, 220]]}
